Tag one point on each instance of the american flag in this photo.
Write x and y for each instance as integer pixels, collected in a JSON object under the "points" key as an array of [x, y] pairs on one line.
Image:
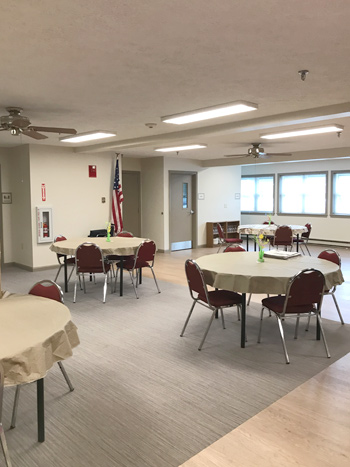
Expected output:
{"points": [[117, 199]]}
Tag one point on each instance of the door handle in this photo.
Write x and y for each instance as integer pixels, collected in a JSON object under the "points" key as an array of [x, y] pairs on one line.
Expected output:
{"points": [[191, 212]]}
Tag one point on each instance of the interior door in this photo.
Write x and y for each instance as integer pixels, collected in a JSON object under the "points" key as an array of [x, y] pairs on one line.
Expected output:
{"points": [[132, 202], [181, 211]]}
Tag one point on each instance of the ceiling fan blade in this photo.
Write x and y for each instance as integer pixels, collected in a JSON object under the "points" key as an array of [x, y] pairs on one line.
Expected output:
{"points": [[279, 154], [48, 129], [33, 134], [263, 155]]}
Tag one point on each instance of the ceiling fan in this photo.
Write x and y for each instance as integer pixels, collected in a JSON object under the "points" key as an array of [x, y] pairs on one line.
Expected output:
{"points": [[258, 152], [18, 124]]}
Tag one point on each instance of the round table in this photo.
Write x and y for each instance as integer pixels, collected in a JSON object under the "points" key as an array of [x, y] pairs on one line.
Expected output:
{"points": [[266, 229], [241, 272], [35, 333], [120, 246]]}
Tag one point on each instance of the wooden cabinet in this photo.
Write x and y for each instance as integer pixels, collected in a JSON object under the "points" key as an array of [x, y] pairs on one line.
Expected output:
{"points": [[229, 228]]}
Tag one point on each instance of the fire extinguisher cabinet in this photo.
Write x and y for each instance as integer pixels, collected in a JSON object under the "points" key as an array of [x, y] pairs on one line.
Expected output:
{"points": [[44, 225]]}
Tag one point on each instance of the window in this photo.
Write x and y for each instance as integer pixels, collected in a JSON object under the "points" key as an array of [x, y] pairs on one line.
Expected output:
{"points": [[257, 194], [185, 195], [303, 193], [340, 193]]}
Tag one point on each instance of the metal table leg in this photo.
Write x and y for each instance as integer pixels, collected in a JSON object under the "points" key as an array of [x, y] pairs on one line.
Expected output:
{"points": [[65, 268], [40, 409], [297, 242], [121, 275], [243, 315]]}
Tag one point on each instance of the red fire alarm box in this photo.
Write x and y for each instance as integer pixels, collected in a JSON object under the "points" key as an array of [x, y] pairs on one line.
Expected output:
{"points": [[92, 171]]}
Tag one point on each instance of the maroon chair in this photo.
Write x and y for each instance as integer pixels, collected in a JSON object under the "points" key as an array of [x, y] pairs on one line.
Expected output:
{"points": [[269, 237], [283, 237], [2, 431], [144, 258], [124, 233], [224, 241], [303, 297], [214, 300], [304, 239], [47, 289], [114, 259], [89, 260], [70, 261], [334, 257]]}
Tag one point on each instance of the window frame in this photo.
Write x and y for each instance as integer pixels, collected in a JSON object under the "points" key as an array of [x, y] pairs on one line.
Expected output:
{"points": [[258, 213], [299, 214], [332, 213]]}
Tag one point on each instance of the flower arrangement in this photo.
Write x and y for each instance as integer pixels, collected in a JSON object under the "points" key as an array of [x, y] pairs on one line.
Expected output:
{"points": [[108, 231], [269, 218], [261, 241]]}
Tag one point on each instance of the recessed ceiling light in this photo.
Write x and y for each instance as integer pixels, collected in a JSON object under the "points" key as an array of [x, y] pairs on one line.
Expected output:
{"points": [[306, 131], [182, 148], [210, 112], [90, 136]]}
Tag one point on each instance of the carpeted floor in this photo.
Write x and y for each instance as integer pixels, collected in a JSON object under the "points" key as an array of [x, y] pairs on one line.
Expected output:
{"points": [[144, 397]]}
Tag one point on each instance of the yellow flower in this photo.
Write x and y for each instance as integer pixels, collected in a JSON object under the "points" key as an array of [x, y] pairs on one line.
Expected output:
{"points": [[261, 236]]}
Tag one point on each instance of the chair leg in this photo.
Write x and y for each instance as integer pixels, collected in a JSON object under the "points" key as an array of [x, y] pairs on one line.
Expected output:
{"points": [[75, 289], [260, 328], [155, 280], [338, 309], [222, 318], [70, 275], [59, 270], [105, 288], [238, 313], [207, 330], [132, 281], [308, 322], [250, 296], [280, 327], [66, 377], [307, 249], [323, 336], [15, 406], [4, 447], [187, 319]]}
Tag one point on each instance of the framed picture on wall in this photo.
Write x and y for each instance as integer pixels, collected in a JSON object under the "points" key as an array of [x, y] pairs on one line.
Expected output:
{"points": [[6, 198]]}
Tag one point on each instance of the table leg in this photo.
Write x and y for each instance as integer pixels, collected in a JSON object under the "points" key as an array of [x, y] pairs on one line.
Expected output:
{"points": [[243, 315], [247, 242], [297, 242], [65, 268], [121, 275], [40, 409]]}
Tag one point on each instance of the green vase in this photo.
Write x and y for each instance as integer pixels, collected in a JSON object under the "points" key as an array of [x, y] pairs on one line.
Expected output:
{"points": [[261, 255], [108, 237]]}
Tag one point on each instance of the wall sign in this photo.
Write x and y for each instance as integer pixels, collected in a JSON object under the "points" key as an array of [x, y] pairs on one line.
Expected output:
{"points": [[43, 192]]}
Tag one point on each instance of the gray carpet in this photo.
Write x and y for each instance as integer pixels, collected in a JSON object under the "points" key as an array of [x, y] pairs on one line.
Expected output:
{"points": [[144, 396]]}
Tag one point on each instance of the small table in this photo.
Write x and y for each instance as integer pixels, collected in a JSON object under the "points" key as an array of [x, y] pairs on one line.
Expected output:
{"points": [[266, 229], [120, 246], [27, 323], [241, 272]]}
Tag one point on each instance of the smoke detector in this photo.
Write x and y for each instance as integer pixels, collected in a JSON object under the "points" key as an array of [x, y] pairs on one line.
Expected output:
{"points": [[150, 125]]}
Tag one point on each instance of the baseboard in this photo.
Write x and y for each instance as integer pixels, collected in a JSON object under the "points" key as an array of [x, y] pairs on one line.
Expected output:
{"points": [[30, 268], [319, 241]]}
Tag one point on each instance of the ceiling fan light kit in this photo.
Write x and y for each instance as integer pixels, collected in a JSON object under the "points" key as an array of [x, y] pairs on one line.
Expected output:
{"points": [[304, 131], [207, 113], [89, 136], [181, 148], [257, 152]]}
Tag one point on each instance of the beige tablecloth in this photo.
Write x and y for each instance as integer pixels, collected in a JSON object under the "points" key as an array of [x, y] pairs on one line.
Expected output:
{"points": [[123, 246], [35, 333], [265, 229], [240, 272]]}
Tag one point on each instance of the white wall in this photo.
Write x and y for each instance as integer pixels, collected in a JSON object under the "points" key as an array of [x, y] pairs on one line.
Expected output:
{"points": [[323, 228]]}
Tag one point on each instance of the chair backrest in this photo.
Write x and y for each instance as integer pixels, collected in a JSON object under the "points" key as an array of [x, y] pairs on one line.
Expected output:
{"points": [[124, 233], [59, 238], [145, 253], [195, 279], [47, 289], [305, 288], [89, 258], [283, 235], [307, 234], [330, 255], [220, 231], [232, 249]]}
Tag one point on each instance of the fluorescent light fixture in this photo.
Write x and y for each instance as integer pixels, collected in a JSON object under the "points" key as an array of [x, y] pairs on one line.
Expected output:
{"points": [[210, 112], [90, 136], [306, 131], [182, 148]]}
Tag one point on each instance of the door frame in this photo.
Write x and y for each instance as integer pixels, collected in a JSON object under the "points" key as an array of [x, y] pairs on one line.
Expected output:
{"points": [[194, 204]]}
